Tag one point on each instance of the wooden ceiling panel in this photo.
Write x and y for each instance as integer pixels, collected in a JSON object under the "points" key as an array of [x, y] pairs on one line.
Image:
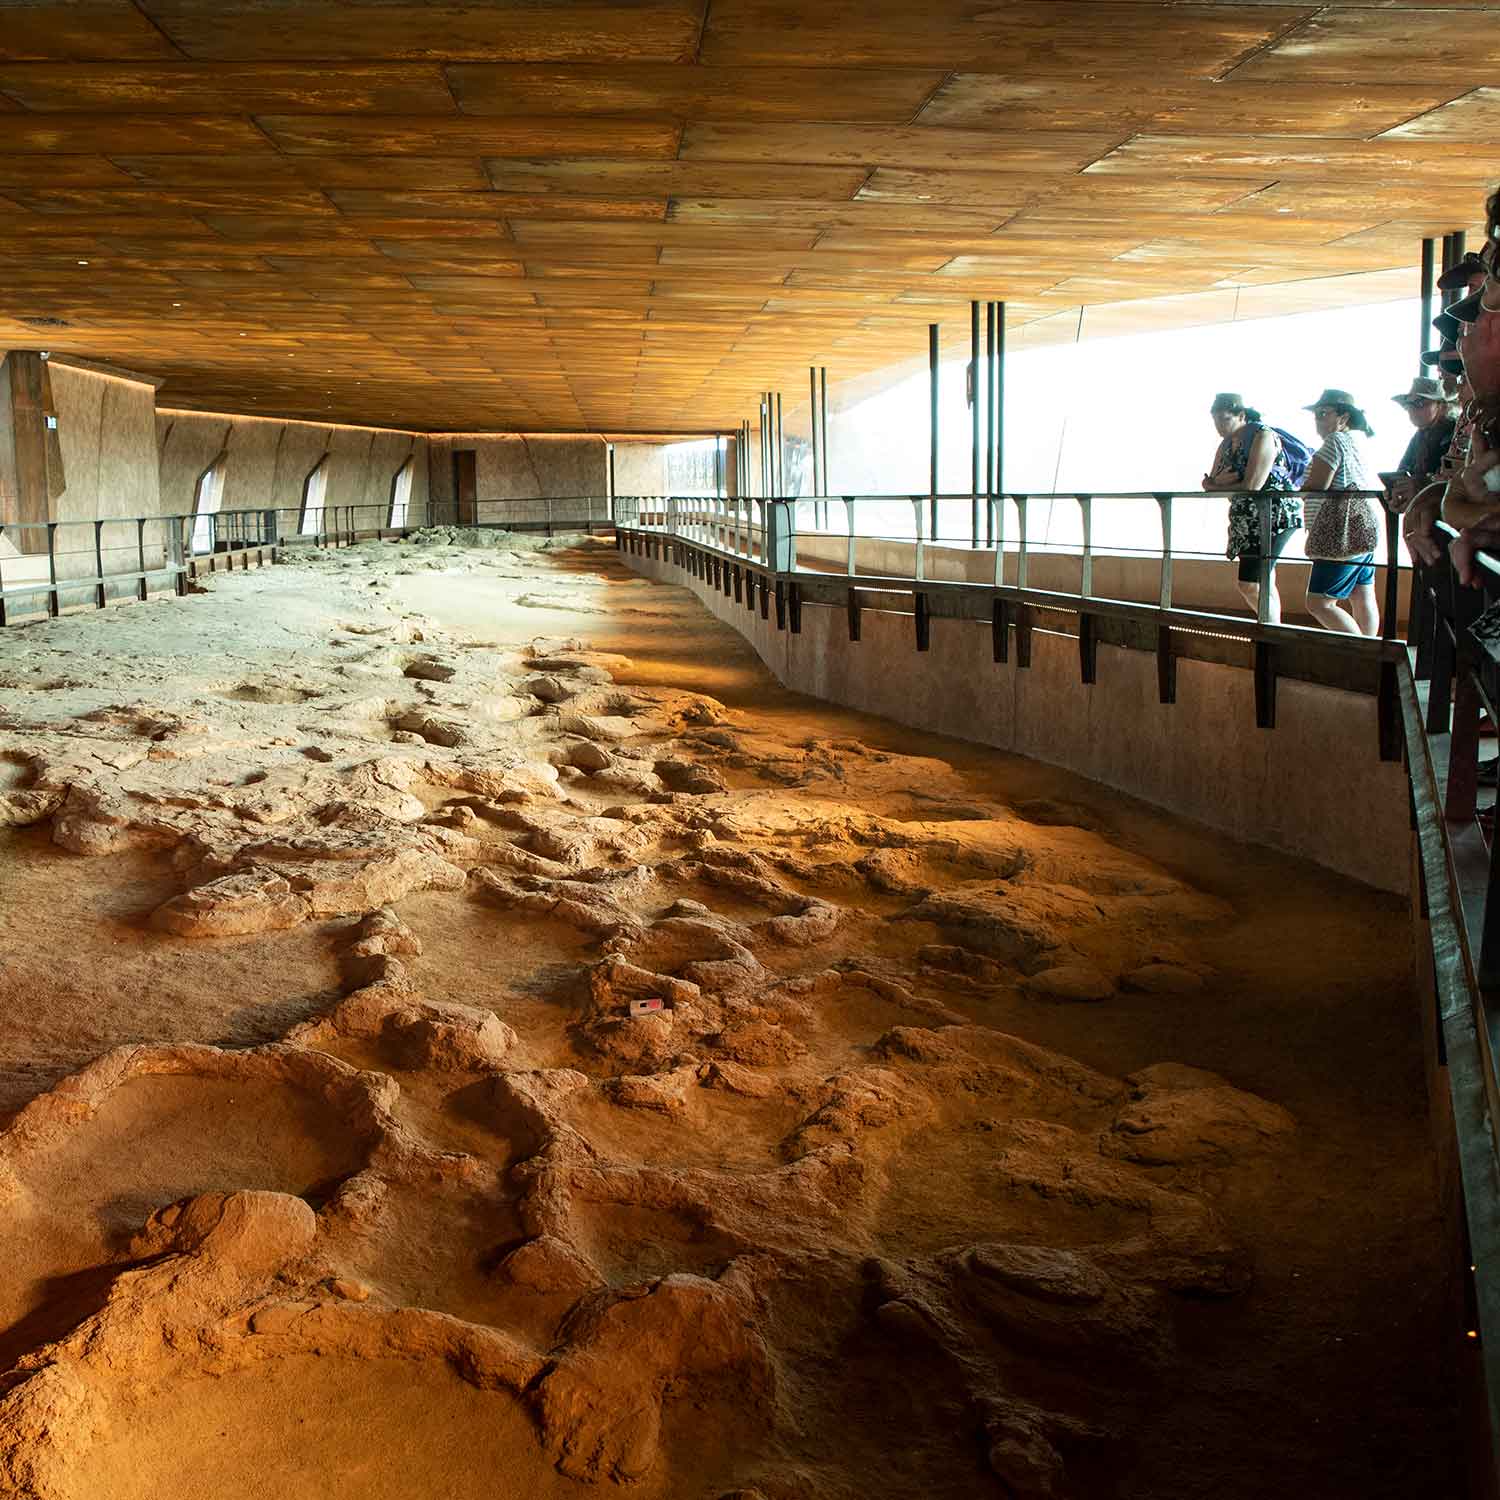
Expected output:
{"points": [[869, 95], [333, 31], [876, 145], [487, 205], [671, 179], [61, 172], [1473, 119], [1347, 44], [991, 101], [1000, 190], [118, 202], [859, 214], [66, 29], [1238, 156], [597, 213], [227, 88], [425, 135], [107, 135], [1046, 38], [432, 173]]}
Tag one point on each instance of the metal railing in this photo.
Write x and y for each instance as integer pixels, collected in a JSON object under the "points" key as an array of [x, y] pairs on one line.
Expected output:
{"points": [[549, 513], [59, 565], [1454, 682], [769, 531]]}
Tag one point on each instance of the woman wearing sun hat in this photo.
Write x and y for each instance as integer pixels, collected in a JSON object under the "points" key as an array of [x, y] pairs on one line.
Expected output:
{"points": [[1344, 530]]}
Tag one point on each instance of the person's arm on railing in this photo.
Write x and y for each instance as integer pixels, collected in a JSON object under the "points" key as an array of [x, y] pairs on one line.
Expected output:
{"points": [[1416, 523], [1481, 537], [1474, 492], [1258, 465]]}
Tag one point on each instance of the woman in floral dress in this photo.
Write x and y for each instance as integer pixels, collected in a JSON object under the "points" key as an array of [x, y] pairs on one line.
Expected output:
{"points": [[1249, 460]]}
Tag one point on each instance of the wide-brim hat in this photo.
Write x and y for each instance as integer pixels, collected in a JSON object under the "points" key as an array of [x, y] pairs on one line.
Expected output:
{"points": [[1447, 359], [1447, 326], [1423, 388], [1228, 401], [1467, 309], [1462, 273], [1332, 397]]}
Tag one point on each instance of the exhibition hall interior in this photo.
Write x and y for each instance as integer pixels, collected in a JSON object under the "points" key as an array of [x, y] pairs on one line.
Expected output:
{"points": [[748, 749]]}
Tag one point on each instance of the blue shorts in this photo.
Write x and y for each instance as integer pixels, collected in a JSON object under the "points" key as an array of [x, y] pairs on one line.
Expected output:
{"points": [[1337, 580]]}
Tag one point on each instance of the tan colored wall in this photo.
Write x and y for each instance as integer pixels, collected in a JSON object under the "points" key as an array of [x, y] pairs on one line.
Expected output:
{"points": [[106, 431], [519, 466], [1314, 786], [267, 461]]}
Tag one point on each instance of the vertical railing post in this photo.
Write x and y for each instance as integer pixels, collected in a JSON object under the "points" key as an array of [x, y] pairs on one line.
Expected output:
{"points": [[99, 593], [54, 608], [1392, 568], [1022, 559], [851, 565], [1164, 501], [919, 564], [1086, 576], [1267, 562], [180, 556], [140, 552], [994, 527]]}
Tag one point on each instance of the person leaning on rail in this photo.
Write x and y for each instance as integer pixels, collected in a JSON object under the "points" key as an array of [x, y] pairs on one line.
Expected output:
{"points": [[1434, 414], [1473, 498], [1252, 457], [1427, 502], [1343, 531]]}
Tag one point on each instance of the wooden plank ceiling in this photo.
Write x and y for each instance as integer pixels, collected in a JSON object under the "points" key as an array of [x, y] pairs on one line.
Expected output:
{"points": [[636, 214]]}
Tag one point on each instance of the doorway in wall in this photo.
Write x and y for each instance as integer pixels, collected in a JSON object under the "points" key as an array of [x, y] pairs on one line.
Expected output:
{"points": [[465, 487]]}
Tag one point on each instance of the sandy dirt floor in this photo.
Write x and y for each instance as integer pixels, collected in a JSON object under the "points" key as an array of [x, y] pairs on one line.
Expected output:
{"points": [[981, 1132]]}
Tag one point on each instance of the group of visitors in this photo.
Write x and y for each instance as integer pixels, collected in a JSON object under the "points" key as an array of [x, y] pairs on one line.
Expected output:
{"points": [[1450, 470]]}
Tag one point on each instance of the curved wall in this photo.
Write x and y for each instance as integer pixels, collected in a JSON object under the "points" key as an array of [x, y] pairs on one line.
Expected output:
{"points": [[1314, 785]]}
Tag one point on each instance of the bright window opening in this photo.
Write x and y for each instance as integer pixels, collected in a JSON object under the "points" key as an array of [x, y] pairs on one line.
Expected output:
{"points": [[694, 468], [206, 501], [314, 493], [401, 493]]}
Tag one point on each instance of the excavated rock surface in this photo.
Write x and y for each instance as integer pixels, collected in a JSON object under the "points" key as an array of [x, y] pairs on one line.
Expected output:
{"points": [[645, 1095]]}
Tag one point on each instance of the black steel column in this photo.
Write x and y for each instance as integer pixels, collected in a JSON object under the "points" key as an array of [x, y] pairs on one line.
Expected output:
{"points": [[998, 397], [612, 482], [765, 444], [932, 468], [780, 449], [1429, 248], [812, 412], [989, 420], [823, 409], [976, 384]]}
